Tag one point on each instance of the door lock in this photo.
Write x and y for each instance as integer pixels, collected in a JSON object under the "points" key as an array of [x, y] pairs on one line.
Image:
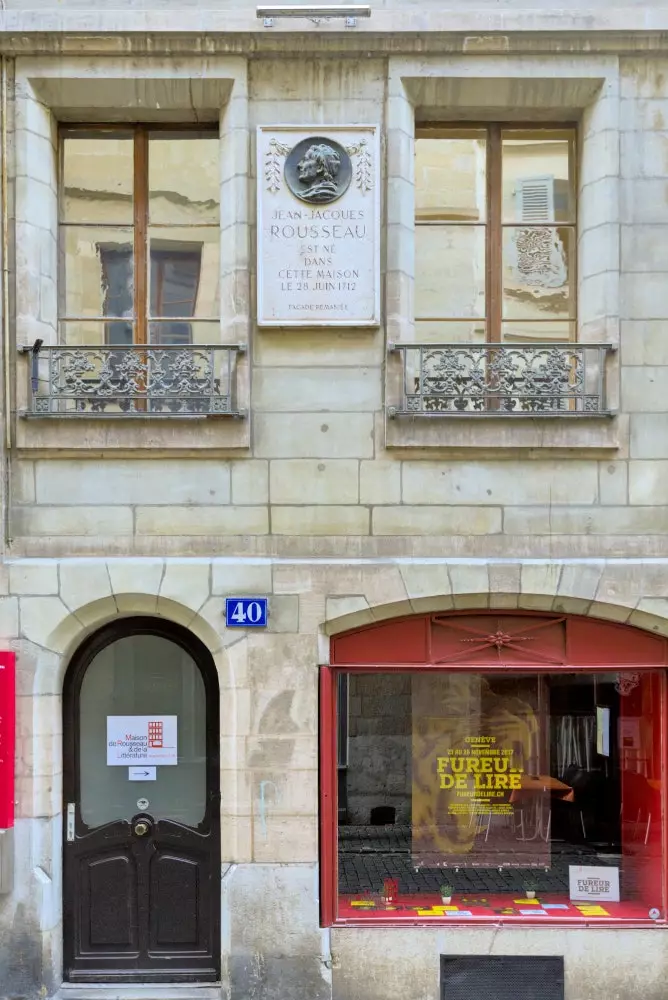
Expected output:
{"points": [[141, 828]]}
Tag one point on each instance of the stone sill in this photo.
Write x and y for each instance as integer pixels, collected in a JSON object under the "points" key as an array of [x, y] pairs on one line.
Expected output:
{"points": [[237, 414], [143, 991], [83, 434], [499, 432]]}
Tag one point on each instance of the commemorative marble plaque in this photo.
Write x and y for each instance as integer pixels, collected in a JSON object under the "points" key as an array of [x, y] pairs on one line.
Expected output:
{"points": [[318, 225]]}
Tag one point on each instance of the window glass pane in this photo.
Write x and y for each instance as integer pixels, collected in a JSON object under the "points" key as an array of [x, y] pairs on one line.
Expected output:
{"points": [[430, 331], [98, 275], [183, 179], [538, 185], [181, 332], [449, 271], [185, 265], [450, 177], [97, 176], [143, 675], [95, 333], [537, 331], [538, 272], [500, 791]]}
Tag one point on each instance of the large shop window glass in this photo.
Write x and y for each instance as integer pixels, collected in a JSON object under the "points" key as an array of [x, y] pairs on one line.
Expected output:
{"points": [[500, 795]]}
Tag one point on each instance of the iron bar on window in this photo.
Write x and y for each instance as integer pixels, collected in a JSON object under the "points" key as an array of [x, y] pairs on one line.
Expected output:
{"points": [[544, 379], [140, 380]]}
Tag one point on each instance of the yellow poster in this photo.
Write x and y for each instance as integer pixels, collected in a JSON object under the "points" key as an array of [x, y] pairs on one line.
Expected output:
{"points": [[475, 745]]}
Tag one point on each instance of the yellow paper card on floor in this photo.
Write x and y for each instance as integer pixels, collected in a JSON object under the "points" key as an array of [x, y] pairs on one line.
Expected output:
{"points": [[593, 911], [526, 902]]}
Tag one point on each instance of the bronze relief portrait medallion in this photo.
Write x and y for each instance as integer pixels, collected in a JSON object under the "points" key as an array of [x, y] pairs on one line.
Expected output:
{"points": [[318, 170]]}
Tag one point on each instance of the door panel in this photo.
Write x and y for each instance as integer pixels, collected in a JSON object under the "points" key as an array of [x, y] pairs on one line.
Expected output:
{"points": [[110, 899], [142, 862], [176, 899]]}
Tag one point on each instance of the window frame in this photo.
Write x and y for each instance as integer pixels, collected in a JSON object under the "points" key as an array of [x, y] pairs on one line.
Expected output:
{"points": [[494, 225], [328, 773], [141, 318]]}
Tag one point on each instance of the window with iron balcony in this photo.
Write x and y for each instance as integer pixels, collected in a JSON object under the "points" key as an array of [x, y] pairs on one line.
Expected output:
{"points": [[495, 277], [139, 278]]}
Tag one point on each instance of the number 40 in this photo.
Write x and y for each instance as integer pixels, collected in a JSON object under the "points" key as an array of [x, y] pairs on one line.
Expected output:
{"points": [[251, 612]]}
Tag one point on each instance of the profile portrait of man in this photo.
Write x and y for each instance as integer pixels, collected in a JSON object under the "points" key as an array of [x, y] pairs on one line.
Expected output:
{"points": [[318, 170]]}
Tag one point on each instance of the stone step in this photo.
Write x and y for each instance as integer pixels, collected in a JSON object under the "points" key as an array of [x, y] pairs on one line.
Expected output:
{"points": [[138, 991]]}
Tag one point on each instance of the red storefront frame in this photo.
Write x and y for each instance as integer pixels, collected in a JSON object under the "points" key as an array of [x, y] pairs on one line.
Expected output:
{"points": [[7, 737], [414, 643]]}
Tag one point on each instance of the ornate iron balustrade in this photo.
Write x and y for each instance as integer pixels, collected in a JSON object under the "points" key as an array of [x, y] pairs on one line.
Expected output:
{"points": [[139, 380], [502, 379]]}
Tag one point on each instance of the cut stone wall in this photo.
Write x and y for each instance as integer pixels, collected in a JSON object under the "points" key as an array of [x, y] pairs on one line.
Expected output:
{"points": [[316, 466], [341, 517], [269, 749]]}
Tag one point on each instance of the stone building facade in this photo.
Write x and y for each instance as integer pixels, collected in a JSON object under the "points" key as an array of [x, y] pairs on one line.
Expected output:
{"points": [[321, 494]]}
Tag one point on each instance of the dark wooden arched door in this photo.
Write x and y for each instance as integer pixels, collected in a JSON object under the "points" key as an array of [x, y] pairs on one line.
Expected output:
{"points": [[141, 836]]}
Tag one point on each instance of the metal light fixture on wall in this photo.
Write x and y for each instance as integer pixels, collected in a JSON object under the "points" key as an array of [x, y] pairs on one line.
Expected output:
{"points": [[315, 13]]}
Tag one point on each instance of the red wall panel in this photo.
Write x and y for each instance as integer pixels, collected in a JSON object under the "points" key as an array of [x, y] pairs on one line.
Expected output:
{"points": [[402, 641], [7, 738]]}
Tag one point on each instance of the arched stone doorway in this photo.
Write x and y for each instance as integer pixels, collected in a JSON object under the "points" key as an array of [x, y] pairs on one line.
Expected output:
{"points": [[485, 750], [141, 886]]}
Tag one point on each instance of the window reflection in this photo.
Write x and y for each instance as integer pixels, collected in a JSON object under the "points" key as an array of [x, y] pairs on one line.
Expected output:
{"points": [[168, 179], [499, 786], [495, 232]]}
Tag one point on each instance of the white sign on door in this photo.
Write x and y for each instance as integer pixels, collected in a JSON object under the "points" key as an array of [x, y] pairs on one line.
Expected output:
{"points": [[141, 740], [593, 882]]}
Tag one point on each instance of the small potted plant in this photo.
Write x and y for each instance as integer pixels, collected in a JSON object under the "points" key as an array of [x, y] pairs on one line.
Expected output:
{"points": [[446, 893], [390, 891], [529, 884]]}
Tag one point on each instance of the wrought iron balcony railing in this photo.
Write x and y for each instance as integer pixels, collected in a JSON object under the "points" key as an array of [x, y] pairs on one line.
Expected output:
{"points": [[138, 380], [503, 379]]}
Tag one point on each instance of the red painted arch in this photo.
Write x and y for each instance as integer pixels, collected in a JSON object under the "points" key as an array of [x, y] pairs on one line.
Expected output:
{"points": [[499, 638]]}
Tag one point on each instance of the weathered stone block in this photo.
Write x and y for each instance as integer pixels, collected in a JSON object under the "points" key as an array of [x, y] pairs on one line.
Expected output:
{"points": [[187, 583], [241, 577], [649, 431], [82, 521], [586, 520], [380, 482], [202, 520], [613, 483], [648, 482], [250, 481], [312, 435], [436, 520], [325, 520], [328, 482], [308, 390], [33, 578], [167, 481], [493, 483], [81, 583]]}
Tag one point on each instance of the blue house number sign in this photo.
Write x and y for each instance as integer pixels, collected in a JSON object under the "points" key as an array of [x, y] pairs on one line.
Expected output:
{"points": [[246, 612]]}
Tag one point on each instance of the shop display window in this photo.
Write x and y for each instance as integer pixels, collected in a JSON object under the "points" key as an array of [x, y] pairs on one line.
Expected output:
{"points": [[514, 794]]}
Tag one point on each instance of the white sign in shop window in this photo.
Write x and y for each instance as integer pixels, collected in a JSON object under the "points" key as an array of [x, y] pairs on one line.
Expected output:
{"points": [[134, 740], [593, 882]]}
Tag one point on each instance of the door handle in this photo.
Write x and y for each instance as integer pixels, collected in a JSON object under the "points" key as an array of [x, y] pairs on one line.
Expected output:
{"points": [[70, 822], [141, 828]]}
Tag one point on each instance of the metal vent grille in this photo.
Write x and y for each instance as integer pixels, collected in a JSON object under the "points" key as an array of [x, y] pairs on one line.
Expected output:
{"points": [[471, 977]]}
